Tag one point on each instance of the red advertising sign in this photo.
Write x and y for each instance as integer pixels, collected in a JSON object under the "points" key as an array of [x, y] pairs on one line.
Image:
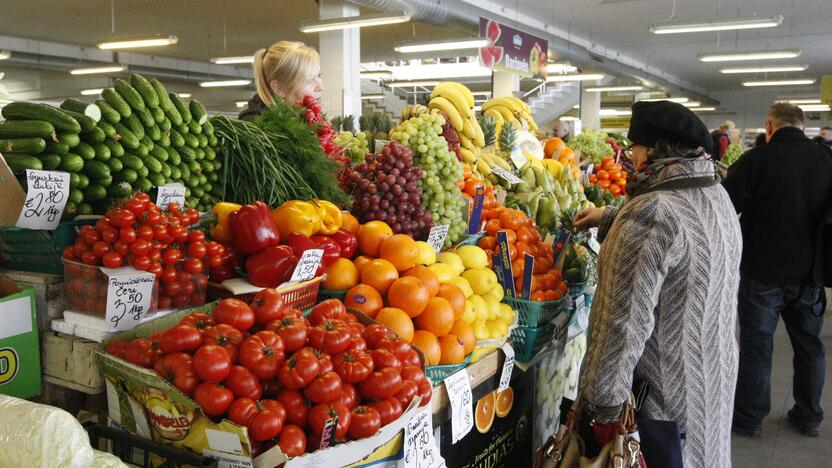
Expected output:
{"points": [[513, 51]]}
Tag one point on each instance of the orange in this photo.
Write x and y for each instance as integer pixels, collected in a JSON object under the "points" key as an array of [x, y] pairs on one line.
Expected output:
{"points": [[505, 400], [454, 296], [552, 147], [401, 250], [437, 318], [380, 274], [397, 321], [409, 295], [453, 352], [426, 276], [349, 223], [342, 274], [360, 262], [484, 412], [465, 332], [371, 235], [429, 345], [487, 243], [365, 299]]}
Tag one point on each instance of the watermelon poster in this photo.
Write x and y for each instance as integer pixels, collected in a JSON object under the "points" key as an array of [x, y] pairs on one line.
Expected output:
{"points": [[513, 51]]}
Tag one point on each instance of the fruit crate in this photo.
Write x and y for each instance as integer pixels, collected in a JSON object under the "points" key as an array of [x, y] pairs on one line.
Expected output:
{"points": [[324, 294], [471, 239], [437, 374], [300, 296], [528, 341], [535, 314], [36, 250]]}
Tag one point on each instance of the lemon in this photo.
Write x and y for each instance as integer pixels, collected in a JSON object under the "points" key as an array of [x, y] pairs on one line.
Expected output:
{"points": [[481, 330], [507, 313], [470, 314], [493, 307], [463, 284], [472, 257], [426, 256], [501, 326], [496, 292], [493, 329], [481, 280], [480, 307], [443, 272], [452, 260]]}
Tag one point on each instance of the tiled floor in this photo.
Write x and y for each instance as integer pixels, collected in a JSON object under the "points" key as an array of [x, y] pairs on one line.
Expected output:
{"points": [[780, 445]]}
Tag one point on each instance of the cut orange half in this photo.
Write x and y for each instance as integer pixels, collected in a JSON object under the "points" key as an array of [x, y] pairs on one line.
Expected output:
{"points": [[505, 400], [484, 413]]}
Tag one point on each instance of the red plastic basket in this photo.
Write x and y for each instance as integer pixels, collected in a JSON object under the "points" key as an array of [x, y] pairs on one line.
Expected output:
{"points": [[300, 296]]}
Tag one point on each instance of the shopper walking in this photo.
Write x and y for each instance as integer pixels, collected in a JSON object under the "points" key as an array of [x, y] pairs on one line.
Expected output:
{"points": [[825, 137], [781, 190], [665, 307], [722, 139]]}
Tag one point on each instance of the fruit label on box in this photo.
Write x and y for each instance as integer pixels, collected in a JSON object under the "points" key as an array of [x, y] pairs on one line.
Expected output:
{"points": [[307, 265], [128, 296], [420, 450], [502, 265], [518, 158], [46, 198], [506, 175], [462, 412], [437, 235], [508, 366], [476, 211], [170, 193], [528, 274], [225, 460], [328, 434]]}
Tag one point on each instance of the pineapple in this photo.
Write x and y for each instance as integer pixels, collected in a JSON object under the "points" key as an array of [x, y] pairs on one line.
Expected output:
{"points": [[508, 139], [489, 130]]}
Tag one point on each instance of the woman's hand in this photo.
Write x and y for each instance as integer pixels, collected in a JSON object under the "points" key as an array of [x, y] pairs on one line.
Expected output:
{"points": [[588, 218]]}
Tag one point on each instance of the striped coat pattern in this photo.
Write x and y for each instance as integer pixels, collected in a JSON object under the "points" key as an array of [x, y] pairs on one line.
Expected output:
{"points": [[665, 311]]}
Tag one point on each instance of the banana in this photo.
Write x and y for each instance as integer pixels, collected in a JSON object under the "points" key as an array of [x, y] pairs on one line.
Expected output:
{"points": [[495, 160], [466, 143], [508, 115], [448, 108], [479, 137], [525, 107], [483, 167], [468, 129], [458, 87], [456, 98], [507, 101], [467, 156]]}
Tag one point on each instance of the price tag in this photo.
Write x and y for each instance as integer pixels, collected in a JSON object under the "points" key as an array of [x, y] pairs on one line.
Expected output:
{"points": [[502, 265], [420, 450], [500, 195], [170, 193], [506, 175], [437, 235], [462, 412], [580, 313], [128, 296], [307, 265], [46, 198], [380, 144], [508, 366], [518, 158], [476, 212], [593, 241], [328, 434]]}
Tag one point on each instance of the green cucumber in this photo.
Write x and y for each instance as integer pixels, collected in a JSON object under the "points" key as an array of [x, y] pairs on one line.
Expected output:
{"points": [[212, 140], [198, 192], [117, 102], [143, 185], [127, 175], [210, 154], [105, 182], [217, 165], [207, 187], [75, 196], [97, 170], [70, 139], [153, 164], [76, 105], [127, 138], [156, 179], [165, 126], [203, 140], [108, 112], [83, 179], [182, 129], [198, 112], [194, 127], [57, 148], [36, 111], [159, 153], [174, 116], [115, 165], [162, 94], [50, 161], [145, 89], [208, 128], [133, 98], [120, 190], [141, 151], [154, 133], [181, 107], [213, 177], [86, 123], [26, 129], [195, 168], [135, 126], [202, 179], [186, 172], [164, 140], [107, 128], [70, 211], [23, 145], [166, 172], [20, 162], [115, 148], [143, 171], [145, 117], [96, 135], [207, 166], [200, 154], [158, 115], [174, 156], [85, 151], [74, 180], [102, 152], [193, 182], [176, 139], [85, 209], [95, 193], [191, 140], [188, 154], [175, 173], [147, 142], [132, 161]]}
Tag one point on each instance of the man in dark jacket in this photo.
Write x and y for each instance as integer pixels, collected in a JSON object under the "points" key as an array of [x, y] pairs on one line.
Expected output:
{"points": [[781, 190], [825, 137]]}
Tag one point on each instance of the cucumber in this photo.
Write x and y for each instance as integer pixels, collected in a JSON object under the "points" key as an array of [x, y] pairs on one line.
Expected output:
{"points": [[207, 187], [152, 164], [120, 190], [194, 127], [23, 145], [133, 98], [162, 94], [210, 154], [182, 129], [115, 148], [117, 102], [85, 151], [75, 196], [20, 162], [159, 153], [207, 166], [212, 140], [198, 112], [26, 129], [108, 113], [193, 182], [143, 185], [132, 161], [213, 177], [165, 126], [198, 192], [35, 111], [141, 151], [217, 165], [186, 172], [195, 168], [191, 140], [83, 180], [127, 175], [175, 173], [135, 126], [202, 179], [154, 133], [147, 142], [174, 157], [208, 128], [188, 196], [96, 135], [200, 155], [107, 128], [176, 139], [105, 182], [74, 180], [70, 139], [164, 140], [156, 179], [50, 161], [145, 89], [57, 148], [76, 105], [86, 123], [188, 154], [181, 107], [145, 117], [85, 209], [158, 114], [97, 170], [203, 140], [102, 152], [127, 138], [174, 116], [95, 193], [166, 172], [115, 165], [143, 171]]}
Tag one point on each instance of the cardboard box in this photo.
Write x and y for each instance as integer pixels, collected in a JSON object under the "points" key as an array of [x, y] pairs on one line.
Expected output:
{"points": [[49, 294], [19, 346], [71, 359]]}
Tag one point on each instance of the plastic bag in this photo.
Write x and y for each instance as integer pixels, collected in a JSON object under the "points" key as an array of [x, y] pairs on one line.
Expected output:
{"points": [[106, 460]]}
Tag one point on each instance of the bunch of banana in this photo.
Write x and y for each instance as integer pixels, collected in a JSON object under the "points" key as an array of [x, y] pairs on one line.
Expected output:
{"points": [[413, 110], [509, 109], [457, 103]]}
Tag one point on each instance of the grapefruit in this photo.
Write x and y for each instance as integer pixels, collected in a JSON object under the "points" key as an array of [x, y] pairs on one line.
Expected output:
{"points": [[409, 295], [365, 299], [371, 235], [484, 413], [379, 274], [505, 400], [397, 321]]}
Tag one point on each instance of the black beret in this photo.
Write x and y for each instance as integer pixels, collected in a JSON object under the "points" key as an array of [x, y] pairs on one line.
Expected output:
{"points": [[664, 120]]}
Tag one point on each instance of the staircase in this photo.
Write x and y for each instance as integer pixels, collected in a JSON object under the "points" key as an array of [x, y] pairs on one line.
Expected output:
{"points": [[556, 100], [391, 104]]}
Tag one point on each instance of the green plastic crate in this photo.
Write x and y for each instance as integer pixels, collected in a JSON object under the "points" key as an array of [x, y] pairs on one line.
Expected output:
{"points": [[528, 341], [439, 373], [576, 289], [324, 294], [535, 314], [39, 251]]}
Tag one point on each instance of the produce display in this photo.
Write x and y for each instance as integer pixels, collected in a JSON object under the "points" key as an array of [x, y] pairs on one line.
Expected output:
{"points": [[509, 109], [610, 176], [456, 104], [356, 146], [592, 145], [732, 154]]}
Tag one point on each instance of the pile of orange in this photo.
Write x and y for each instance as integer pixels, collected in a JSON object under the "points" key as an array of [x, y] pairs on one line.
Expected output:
{"points": [[469, 185], [610, 177]]}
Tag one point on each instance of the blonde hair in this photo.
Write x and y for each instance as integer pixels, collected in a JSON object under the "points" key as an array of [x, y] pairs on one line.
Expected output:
{"points": [[289, 63]]}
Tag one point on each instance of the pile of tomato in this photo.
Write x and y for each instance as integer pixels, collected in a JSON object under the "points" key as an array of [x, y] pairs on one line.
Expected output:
{"points": [[609, 175], [282, 375]]}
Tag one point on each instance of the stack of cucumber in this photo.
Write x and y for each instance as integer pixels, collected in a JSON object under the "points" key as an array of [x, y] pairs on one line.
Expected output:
{"points": [[136, 137]]}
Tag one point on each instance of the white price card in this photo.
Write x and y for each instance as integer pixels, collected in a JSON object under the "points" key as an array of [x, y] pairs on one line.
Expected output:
{"points": [[506, 175], [593, 244], [580, 313], [420, 450], [170, 193], [462, 411], [508, 366], [437, 235], [518, 158], [128, 296], [307, 265], [46, 198]]}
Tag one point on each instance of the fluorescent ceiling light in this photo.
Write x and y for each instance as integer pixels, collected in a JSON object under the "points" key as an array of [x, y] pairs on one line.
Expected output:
{"points": [[576, 106], [677, 100], [568, 118], [758, 55], [407, 84], [132, 44], [806, 81], [232, 60], [91, 92], [704, 109], [801, 101], [606, 112], [376, 75], [101, 69], [184, 95], [752, 22], [433, 71], [369, 97], [692, 104], [446, 45], [815, 107], [481, 93], [241, 104], [217, 84], [555, 68], [772, 69], [576, 77], [353, 22], [602, 89], [4, 54]]}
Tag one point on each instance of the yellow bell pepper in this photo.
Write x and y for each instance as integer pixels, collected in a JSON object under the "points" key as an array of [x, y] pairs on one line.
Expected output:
{"points": [[297, 216], [221, 231], [330, 215]]}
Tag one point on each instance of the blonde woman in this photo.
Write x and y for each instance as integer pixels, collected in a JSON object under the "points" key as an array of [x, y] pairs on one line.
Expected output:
{"points": [[287, 70]]}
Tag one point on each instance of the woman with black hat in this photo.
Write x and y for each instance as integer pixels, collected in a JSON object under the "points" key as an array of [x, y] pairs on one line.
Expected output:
{"points": [[664, 310]]}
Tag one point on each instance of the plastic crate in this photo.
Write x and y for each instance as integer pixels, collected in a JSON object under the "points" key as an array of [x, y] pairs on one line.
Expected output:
{"points": [[85, 289], [535, 314], [324, 294], [39, 251], [528, 341], [437, 374], [300, 296], [576, 289]]}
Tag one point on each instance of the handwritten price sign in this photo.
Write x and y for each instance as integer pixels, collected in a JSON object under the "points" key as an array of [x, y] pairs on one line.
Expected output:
{"points": [[506, 175], [437, 235], [508, 366], [170, 193], [462, 411], [45, 199], [129, 293], [420, 450], [307, 265]]}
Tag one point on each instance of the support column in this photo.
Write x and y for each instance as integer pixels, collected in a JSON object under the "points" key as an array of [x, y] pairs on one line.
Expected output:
{"points": [[340, 62], [504, 84], [590, 108]]}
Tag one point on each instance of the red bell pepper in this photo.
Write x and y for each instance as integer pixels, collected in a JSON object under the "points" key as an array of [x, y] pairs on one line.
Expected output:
{"points": [[332, 251], [300, 243], [271, 266], [253, 229], [348, 242]]}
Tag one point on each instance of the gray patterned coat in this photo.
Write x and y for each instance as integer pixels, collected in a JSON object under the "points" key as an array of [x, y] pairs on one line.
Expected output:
{"points": [[665, 311]]}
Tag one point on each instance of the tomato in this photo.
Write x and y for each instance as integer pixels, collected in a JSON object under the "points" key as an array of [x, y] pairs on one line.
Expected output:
{"points": [[212, 363], [411, 359], [353, 367], [383, 358], [169, 275], [234, 312], [154, 254], [364, 422], [322, 412], [198, 320], [298, 371], [180, 338], [324, 359], [213, 398], [331, 336], [381, 384], [413, 373], [165, 302], [214, 249], [196, 236], [243, 383], [425, 392], [193, 215], [179, 233], [188, 286], [122, 218], [109, 234], [142, 197], [89, 258], [100, 248], [349, 396], [144, 232], [172, 289], [178, 369], [139, 247], [127, 235], [170, 256], [325, 387], [262, 353], [376, 332], [357, 344], [397, 346], [197, 250], [292, 331], [226, 336], [292, 441], [407, 393], [328, 309], [356, 328], [267, 306], [389, 409], [194, 266], [118, 348], [112, 260], [91, 238], [264, 419], [143, 352], [297, 407]]}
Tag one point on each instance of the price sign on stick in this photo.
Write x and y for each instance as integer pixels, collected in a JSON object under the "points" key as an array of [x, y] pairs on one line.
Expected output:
{"points": [[437, 235], [170, 193], [420, 450], [46, 198], [128, 296], [462, 412], [307, 265], [518, 158], [506, 175], [508, 366]]}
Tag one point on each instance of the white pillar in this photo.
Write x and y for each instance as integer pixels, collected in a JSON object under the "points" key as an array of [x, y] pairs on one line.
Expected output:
{"points": [[590, 108], [340, 62], [504, 84]]}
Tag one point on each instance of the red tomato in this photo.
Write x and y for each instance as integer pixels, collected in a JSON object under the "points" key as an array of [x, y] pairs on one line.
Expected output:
{"points": [[179, 233], [139, 247], [143, 352], [118, 348], [292, 441], [170, 275], [264, 419], [297, 407], [127, 235], [325, 387], [397, 346], [297, 371], [194, 266], [262, 353], [243, 383], [212, 364], [408, 391], [234, 312], [122, 218], [412, 359], [376, 332], [156, 269], [381, 384], [425, 392], [383, 358], [322, 412], [413, 373], [213, 398], [226, 336], [356, 328], [197, 250], [324, 360], [353, 367], [331, 336], [349, 395], [109, 234], [196, 236], [178, 369], [292, 331], [136, 207], [357, 344], [180, 338], [160, 232], [328, 309], [170, 256], [389, 409], [213, 249], [89, 258], [267, 306], [364, 422], [112, 260], [144, 232]]}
